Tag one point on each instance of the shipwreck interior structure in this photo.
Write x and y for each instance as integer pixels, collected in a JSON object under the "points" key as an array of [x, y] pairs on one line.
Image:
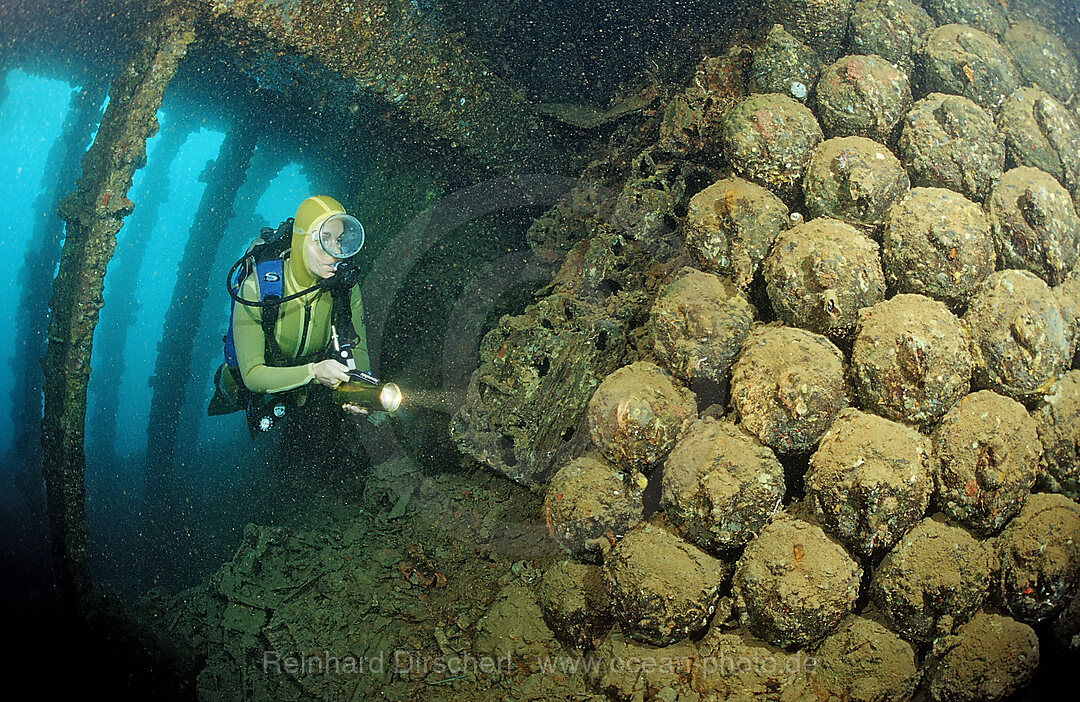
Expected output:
{"points": [[725, 330]]}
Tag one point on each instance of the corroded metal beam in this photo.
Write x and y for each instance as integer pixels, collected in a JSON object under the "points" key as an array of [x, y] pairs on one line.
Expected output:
{"points": [[125, 285], [35, 274], [386, 49], [94, 214]]}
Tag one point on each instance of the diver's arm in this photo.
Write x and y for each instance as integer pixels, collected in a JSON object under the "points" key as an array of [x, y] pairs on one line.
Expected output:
{"points": [[360, 349], [251, 350]]}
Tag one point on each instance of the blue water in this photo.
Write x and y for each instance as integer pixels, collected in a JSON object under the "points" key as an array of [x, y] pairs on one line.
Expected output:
{"points": [[31, 120], [158, 277]]}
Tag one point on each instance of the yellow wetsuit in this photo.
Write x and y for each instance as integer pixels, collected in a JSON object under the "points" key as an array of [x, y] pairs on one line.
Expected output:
{"points": [[306, 318], [303, 324]]}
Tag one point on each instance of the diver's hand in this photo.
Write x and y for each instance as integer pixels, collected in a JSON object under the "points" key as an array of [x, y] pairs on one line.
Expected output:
{"points": [[354, 409], [331, 373]]}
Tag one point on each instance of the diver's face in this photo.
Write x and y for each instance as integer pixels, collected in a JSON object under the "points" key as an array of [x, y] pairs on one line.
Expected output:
{"points": [[320, 263]]}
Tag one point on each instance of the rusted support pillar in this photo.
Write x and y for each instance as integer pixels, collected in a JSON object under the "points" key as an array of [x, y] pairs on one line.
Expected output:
{"points": [[389, 50], [124, 288], [35, 275], [94, 214], [172, 367], [269, 160]]}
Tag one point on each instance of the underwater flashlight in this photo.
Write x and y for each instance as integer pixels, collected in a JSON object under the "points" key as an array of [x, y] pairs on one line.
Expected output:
{"points": [[367, 391], [363, 389]]}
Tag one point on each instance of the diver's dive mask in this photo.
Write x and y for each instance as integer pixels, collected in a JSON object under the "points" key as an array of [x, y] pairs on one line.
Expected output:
{"points": [[340, 235]]}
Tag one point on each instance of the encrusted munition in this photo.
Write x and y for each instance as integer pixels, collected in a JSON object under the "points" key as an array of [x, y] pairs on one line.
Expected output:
{"points": [[787, 386], [636, 414], [870, 480], [794, 584], [936, 242], [590, 499], [936, 578], [662, 588], [1039, 558], [699, 322], [1020, 342], [989, 659], [1035, 224], [820, 273], [784, 64], [721, 485], [986, 452], [911, 359], [862, 96], [962, 60], [1043, 59], [950, 142], [769, 139], [731, 225], [1042, 133], [853, 179], [889, 28]]}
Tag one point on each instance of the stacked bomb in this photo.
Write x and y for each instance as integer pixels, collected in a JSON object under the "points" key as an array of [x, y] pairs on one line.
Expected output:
{"points": [[903, 426]]}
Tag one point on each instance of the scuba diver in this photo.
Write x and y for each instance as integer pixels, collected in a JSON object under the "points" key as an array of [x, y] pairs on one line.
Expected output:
{"points": [[297, 318]]}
